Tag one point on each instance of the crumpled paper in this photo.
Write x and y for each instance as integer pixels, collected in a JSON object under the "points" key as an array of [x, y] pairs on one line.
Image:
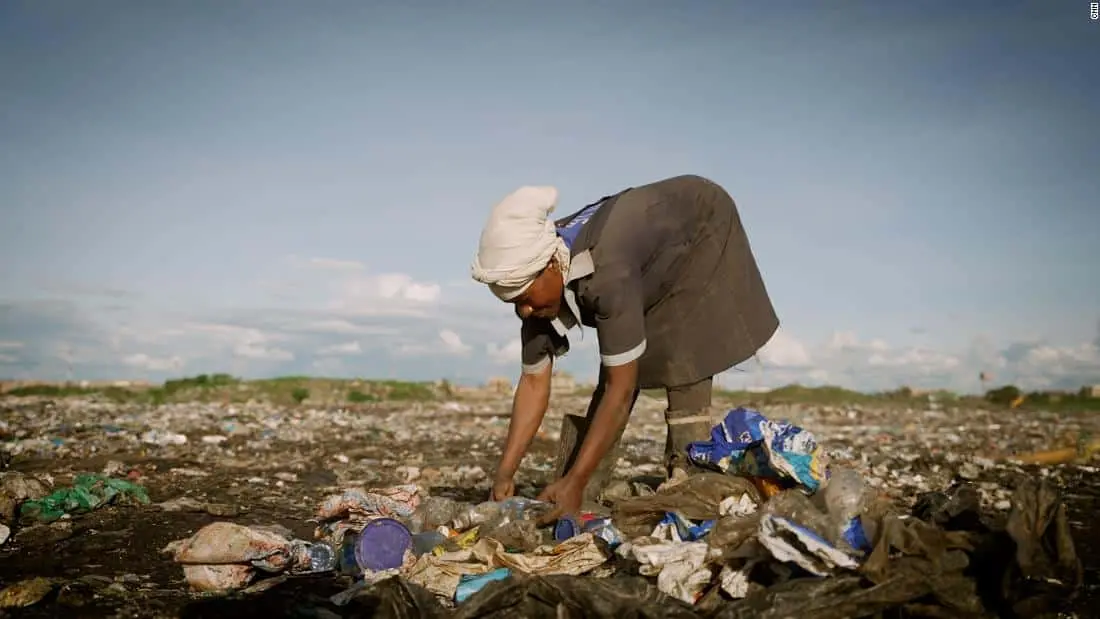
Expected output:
{"points": [[441, 574], [393, 502], [748, 443], [735, 582], [574, 556], [680, 567]]}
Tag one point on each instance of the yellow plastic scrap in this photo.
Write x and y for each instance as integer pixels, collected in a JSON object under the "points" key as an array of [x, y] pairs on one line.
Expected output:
{"points": [[461, 541]]}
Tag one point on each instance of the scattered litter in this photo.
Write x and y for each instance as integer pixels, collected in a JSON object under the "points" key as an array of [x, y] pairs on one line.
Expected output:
{"points": [[917, 510], [89, 491], [187, 504], [27, 592]]}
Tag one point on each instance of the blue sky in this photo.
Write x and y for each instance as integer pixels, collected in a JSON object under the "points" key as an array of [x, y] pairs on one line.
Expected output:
{"points": [[289, 187]]}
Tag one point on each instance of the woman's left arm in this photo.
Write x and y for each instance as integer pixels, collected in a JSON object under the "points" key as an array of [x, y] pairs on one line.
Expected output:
{"points": [[612, 413], [620, 324]]}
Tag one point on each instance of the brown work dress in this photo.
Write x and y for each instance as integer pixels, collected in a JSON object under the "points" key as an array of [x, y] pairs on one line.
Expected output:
{"points": [[665, 274]]}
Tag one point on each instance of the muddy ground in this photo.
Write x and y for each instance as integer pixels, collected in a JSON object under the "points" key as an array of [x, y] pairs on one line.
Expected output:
{"points": [[276, 464]]}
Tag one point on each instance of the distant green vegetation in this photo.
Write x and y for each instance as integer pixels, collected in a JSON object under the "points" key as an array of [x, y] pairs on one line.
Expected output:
{"points": [[1013, 396], [299, 394], [358, 397], [296, 390]]}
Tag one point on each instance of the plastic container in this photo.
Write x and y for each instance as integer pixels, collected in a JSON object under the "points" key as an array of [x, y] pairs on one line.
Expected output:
{"points": [[569, 527], [381, 545]]}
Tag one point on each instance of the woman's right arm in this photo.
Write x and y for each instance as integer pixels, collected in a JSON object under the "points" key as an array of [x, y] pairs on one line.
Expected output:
{"points": [[529, 406]]}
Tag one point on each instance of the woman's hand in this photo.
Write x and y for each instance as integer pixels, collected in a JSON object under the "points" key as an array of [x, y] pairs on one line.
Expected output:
{"points": [[503, 488], [567, 494]]}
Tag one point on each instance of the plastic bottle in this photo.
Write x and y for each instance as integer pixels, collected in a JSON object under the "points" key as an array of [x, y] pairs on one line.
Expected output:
{"points": [[492, 514], [844, 494], [313, 557], [433, 513], [845, 499]]}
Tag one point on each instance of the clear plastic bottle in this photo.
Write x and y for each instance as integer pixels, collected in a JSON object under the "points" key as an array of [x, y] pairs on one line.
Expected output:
{"points": [[313, 557], [434, 512], [491, 514], [845, 499], [844, 494]]}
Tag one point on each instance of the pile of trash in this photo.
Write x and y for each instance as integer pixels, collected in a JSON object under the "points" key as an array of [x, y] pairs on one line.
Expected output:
{"points": [[767, 529]]}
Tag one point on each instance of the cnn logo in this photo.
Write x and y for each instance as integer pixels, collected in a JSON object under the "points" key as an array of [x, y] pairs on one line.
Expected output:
{"points": [[1094, 11]]}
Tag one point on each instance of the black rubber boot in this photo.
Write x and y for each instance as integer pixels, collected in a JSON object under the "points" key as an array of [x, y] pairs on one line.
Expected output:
{"points": [[573, 430], [684, 427]]}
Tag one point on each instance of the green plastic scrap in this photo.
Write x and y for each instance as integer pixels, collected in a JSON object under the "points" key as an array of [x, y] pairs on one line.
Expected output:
{"points": [[89, 492]]}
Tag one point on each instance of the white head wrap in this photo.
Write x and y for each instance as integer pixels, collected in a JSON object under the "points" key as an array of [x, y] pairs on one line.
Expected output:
{"points": [[518, 242]]}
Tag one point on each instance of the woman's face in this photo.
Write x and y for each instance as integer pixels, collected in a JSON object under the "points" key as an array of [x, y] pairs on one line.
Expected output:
{"points": [[543, 298]]}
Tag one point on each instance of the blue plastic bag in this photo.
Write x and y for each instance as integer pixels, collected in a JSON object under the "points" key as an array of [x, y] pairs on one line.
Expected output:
{"points": [[748, 443]]}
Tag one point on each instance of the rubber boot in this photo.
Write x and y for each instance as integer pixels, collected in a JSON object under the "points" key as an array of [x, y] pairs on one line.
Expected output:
{"points": [[573, 430], [684, 427]]}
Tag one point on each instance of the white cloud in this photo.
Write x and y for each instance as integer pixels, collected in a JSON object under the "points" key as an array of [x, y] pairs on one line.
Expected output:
{"points": [[784, 350], [846, 360], [401, 286], [452, 343], [11, 345], [347, 348], [155, 364], [508, 353], [388, 294], [246, 342], [346, 287], [8, 358]]}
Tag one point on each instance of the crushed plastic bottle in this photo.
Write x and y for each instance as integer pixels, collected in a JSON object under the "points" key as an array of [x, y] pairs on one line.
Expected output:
{"points": [[490, 515], [845, 499], [322, 557], [844, 494], [434, 512]]}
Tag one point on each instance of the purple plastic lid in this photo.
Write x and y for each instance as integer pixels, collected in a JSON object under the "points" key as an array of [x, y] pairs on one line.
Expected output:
{"points": [[382, 545]]}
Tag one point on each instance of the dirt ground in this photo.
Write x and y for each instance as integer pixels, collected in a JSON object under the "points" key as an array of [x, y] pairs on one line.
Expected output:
{"points": [[109, 563]]}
